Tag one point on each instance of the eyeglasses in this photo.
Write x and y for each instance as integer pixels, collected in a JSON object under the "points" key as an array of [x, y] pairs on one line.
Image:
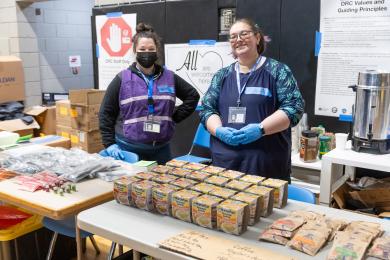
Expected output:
{"points": [[245, 34]]}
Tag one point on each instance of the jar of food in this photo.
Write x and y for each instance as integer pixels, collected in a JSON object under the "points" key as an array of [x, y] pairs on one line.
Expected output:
{"points": [[325, 145], [308, 146]]}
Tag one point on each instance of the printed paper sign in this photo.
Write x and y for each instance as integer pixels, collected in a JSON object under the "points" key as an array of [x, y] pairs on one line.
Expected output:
{"points": [[114, 45], [197, 64], [355, 38]]}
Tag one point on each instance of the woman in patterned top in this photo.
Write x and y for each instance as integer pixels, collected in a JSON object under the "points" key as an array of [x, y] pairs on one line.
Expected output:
{"points": [[250, 107]]}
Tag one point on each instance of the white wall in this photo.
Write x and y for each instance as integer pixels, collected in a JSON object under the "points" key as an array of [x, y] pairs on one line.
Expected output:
{"points": [[44, 42], [64, 29]]}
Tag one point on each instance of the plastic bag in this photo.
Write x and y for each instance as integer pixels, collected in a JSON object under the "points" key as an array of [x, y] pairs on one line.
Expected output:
{"points": [[11, 216]]}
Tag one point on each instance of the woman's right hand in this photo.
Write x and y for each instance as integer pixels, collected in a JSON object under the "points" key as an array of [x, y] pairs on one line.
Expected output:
{"points": [[115, 152], [226, 134]]}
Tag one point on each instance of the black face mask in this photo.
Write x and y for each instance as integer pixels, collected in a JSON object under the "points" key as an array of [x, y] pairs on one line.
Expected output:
{"points": [[146, 59]]}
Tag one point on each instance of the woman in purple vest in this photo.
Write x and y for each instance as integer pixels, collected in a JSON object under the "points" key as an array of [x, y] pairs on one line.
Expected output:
{"points": [[138, 112], [250, 107]]}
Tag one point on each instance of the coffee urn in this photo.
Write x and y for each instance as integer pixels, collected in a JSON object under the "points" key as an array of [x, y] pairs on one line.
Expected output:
{"points": [[371, 118]]}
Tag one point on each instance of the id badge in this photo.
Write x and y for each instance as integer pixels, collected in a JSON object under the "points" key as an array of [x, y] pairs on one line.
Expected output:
{"points": [[237, 115], [152, 126]]}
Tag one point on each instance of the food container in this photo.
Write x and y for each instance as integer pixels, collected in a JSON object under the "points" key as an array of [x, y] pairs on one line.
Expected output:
{"points": [[204, 211], [308, 146]]}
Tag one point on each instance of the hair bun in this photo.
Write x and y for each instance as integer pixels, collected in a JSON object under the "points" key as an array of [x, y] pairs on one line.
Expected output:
{"points": [[142, 27]]}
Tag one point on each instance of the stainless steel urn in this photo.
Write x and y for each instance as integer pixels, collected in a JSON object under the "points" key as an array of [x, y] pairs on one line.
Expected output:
{"points": [[371, 120]]}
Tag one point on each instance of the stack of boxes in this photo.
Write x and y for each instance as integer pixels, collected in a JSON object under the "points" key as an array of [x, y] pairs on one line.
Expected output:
{"points": [[78, 119]]}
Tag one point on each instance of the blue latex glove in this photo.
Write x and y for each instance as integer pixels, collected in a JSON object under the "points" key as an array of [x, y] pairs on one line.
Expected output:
{"points": [[248, 134], [115, 152], [226, 135]]}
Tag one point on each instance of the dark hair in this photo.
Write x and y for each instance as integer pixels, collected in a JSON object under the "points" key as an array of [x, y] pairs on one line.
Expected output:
{"points": [[147, 31], [256, 29]]}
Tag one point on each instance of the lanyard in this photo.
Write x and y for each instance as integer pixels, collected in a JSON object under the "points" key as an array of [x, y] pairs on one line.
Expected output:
{"points": [[241, 90], [149, 82]]}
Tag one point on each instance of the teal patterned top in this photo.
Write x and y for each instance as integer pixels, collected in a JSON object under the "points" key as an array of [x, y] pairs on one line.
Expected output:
{"points": [[289, 97]]}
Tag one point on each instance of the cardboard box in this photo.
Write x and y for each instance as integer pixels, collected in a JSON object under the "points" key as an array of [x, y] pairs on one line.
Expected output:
{"points": [[11, 79], [46, 118], [369, 201], [18, 126], [63, 113], [86, 97], [87, 141], [85, 118], [64, 131]]}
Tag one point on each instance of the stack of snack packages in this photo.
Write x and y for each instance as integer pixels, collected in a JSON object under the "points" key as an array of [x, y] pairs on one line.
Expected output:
{"points": [[208, 196], [308, 232], [353, 242]]}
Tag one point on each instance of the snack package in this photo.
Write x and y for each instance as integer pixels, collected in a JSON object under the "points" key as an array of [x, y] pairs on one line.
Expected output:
{"points": [[222, 192], [347, 248], [230, 174], [254, 179], [213, 169], [307, 215], [335, 225], [184, 183], [270, 236], [164, 178], [204, 188], [280, 193], [255, 205], [146, 175], [180, 172], [289, 223], [162, 199], [176, 163], [363, 229], [217, 180], [267, 195], [381, 248], [204, 211], [5, 174], [122, 189], [182, 203], [232, 217], [309, 240], [141, 194], [238, 185], [282, 233], [198, 176], [162, 169], [194, 166]]}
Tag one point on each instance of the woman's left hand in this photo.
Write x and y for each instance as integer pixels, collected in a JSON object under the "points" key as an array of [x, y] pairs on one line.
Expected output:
{"points": [[249, 133]]}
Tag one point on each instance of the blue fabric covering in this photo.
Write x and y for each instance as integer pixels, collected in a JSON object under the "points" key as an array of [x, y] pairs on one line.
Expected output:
{"points": [[64, 227], [301, 194]]}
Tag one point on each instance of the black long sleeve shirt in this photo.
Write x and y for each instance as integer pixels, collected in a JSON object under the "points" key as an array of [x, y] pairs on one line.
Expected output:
{"points": [[110, 122]]}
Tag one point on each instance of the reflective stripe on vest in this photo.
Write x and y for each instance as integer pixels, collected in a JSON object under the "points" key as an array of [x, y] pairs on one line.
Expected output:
{"points": [[145, 97], [144, 118]]}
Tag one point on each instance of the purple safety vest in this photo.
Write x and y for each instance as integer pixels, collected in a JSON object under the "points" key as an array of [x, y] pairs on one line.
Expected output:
{"points": [[133, 102]]}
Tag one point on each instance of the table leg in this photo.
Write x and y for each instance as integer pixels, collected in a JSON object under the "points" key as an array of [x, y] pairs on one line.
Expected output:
{"points": [[136, 255], [78, 241], [330, 173], [5, 252]]}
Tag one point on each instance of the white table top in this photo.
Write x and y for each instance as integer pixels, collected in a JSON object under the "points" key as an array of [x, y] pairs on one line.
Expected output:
{"points": [[379, 162], [142, 230], [297, 162]]}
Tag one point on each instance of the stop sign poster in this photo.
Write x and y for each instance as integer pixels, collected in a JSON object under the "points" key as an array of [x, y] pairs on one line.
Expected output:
{"points": [[114, 48]]}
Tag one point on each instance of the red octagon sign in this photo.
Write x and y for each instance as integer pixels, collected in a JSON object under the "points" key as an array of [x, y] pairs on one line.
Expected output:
{"points": [[116, 37]]}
